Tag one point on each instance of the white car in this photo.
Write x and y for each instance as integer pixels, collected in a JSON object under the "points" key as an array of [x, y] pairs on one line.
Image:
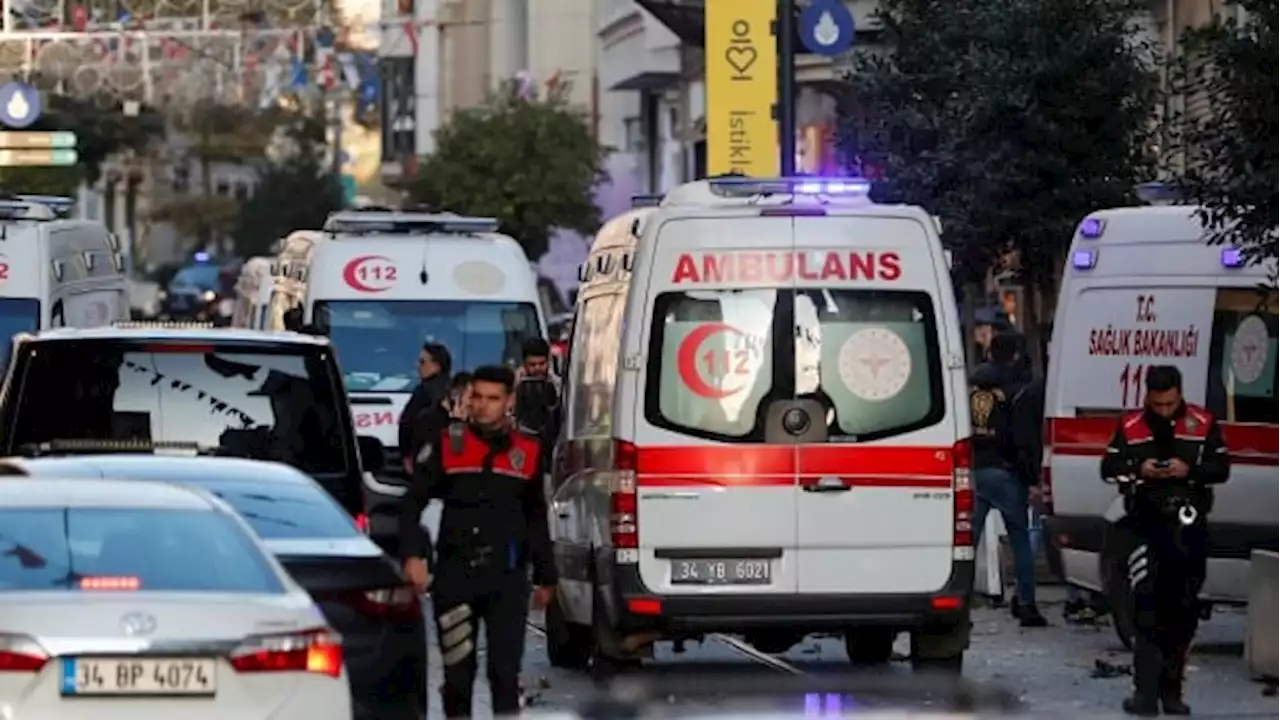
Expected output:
{"points": [[140, 600]]}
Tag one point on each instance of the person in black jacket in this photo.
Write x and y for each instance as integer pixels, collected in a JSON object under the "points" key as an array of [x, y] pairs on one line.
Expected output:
{"points": [[434, 364], [1165, 458], [1000, 478], [494, 526]]}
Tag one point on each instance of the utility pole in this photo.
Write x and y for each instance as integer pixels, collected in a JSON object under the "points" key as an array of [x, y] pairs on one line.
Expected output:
{"points": [[787, 86]]}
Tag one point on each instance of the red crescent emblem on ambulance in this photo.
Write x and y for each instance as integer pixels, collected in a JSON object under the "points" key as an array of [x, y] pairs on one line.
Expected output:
{"points": [[687, 361], [369, 274]]}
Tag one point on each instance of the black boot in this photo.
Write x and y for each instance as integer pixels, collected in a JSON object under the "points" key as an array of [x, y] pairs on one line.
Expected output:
{"points": [[1029, 617], [1147, 667], [1171, 683], [1141, 706]]}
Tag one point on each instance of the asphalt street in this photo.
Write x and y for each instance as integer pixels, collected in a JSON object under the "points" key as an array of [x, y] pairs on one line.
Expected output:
{"points": [[1044, 672]]}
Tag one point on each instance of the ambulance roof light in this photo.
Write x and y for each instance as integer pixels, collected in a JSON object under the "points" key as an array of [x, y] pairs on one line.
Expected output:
{"points": [[60, 204], [1091, 228], [743, 187], [14, 208], [1232, 258], [644, 201], [403, 223], [1084, 259], [1157, 193]]}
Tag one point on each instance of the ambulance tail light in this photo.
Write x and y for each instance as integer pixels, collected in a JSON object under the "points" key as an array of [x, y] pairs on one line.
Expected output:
{"points": [[962, 537], [623, 504], [1046, 470]]}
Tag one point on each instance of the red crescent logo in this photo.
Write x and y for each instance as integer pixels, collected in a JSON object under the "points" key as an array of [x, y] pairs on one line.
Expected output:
{"points": [[369, 274], [687, 361]]}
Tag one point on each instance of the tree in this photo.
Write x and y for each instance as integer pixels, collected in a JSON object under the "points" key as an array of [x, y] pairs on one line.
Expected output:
{"points": [[532, 163], [212, 133], [1010, 119], [298, 191], [1227, 139]]}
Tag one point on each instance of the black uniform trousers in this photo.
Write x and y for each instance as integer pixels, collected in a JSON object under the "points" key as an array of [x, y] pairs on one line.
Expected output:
{"points": [[463, 597], [1166, 572]]}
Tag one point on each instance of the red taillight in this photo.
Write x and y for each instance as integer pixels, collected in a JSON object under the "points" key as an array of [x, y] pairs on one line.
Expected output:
{"points": [[947, 602], [362, 523], [315, 651], [644, 606], [1046, 471], [110, 582], [393, 603], [623, 505], [962, 492], [19, 653]]}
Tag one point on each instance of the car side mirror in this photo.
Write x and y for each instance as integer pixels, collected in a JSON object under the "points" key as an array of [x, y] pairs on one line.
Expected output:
{"points": [[372, 457]]}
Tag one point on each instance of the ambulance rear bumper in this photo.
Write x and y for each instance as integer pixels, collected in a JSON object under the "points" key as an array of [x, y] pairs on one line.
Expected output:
{"points": [[633, 609]]}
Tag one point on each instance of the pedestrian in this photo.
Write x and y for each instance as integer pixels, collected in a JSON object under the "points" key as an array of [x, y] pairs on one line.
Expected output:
{"points": [[1000, 477], [537, 409], [1165, 458], [434, 365], [458, 405], [493, 527]]}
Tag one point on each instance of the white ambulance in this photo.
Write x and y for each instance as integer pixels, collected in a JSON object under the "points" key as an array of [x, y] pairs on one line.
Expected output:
{"points": [[380, 284], [254, 290], [56, 272], [1143, 288], [768, 429]]}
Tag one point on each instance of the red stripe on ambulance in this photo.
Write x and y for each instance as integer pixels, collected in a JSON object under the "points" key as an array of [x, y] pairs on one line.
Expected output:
{"points": [[1087, 437], [787, 466]]}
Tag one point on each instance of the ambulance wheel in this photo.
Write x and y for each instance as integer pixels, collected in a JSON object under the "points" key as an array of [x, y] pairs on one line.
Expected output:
{"points": [[1116, 547], [870, 646], [568, 645]]}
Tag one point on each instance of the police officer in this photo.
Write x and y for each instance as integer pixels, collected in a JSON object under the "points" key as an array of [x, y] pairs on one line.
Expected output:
{"points": [[494, 525], [1165, 457]]}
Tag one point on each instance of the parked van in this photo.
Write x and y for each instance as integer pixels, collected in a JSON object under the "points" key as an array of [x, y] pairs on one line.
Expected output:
{"points": [[1142, 288], [768, 429]]}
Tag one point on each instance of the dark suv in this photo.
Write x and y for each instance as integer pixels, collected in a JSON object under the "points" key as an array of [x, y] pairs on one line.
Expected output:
{"points": [[265, 396]]}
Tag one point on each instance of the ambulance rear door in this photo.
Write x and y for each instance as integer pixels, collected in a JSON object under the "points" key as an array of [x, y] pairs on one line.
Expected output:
{"points": [[872, 339], [716, 487]]}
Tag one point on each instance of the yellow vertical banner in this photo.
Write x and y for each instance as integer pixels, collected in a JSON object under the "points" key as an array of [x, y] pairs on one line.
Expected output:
{"points": [[742, 87]]}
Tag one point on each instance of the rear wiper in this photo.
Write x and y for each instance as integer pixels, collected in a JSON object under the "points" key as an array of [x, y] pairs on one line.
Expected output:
{"points": [[95, 446]]}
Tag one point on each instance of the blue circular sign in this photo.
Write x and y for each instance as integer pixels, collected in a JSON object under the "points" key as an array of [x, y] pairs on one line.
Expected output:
{"points": [[19, 105], [827, 27]]}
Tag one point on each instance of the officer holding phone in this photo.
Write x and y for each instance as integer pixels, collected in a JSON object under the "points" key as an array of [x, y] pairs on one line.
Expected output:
{"points": [[1165, 458]]}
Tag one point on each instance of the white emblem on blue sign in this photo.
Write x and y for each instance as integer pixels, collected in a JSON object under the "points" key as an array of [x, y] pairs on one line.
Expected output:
{"points": [[827, 27], [19, 105]]}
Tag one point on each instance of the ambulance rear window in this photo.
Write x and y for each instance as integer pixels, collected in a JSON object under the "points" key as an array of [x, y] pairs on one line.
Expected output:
{"points": [[719, 358]]}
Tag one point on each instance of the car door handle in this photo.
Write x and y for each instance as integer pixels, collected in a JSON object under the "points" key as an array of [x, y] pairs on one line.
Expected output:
{"points": [[828, 485]]}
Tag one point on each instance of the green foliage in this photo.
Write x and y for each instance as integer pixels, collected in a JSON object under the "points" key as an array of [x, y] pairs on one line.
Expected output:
{"points": [[41, 180], [530, 163], [1010, 119], [1229, 154], [296, 193], [101, 129]]}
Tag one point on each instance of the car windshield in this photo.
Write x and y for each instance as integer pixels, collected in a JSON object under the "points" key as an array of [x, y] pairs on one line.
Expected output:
{"points": [[276, 510], [17, 315], [203, 276], [255, 401], [378, 341], [90, 548]]}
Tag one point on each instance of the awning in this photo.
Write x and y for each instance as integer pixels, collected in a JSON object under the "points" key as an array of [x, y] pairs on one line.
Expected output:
{"points": [[685, 19], [648, 81]]}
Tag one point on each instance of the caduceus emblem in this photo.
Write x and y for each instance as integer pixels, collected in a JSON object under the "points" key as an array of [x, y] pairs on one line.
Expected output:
{"points": [[982, 403]]}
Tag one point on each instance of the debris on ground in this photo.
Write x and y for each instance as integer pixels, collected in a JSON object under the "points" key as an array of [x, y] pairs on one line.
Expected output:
{"points": [[1105, 669]]}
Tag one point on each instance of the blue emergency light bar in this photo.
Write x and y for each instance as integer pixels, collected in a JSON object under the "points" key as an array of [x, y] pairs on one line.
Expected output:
{"points": [[738, 186], [1157, 193], [57, 203], [400, 223], [1084, 259], [644, 201], [1092, 228], [1232, 258]]}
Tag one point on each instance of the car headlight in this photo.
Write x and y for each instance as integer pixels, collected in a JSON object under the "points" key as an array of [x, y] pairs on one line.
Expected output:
{"points": [[209, 296]]}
